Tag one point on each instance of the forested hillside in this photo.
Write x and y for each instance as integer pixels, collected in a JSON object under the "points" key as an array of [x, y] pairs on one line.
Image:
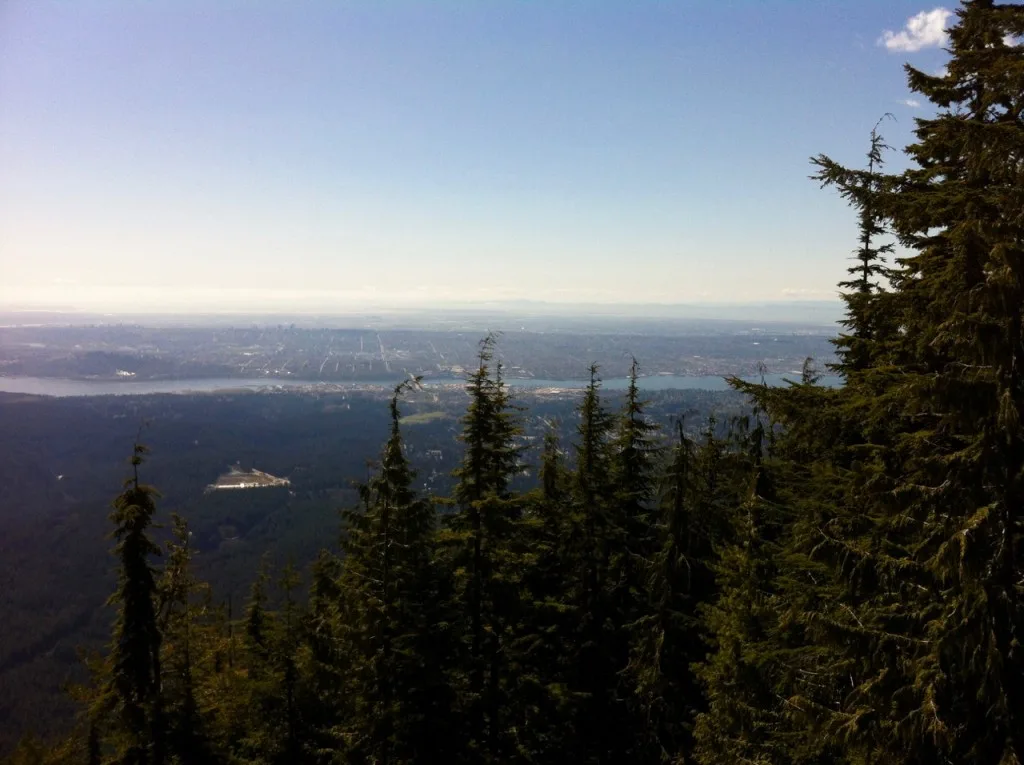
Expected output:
{"points": [[65, 455], [835, 578]]}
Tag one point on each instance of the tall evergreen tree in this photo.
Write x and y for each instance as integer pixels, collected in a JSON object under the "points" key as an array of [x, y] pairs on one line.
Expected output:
{"points": [[286, 651], [669, 638], [597, 731], [634, 475], [388, 633], [133, 692], [742, 708], [487, 556], [961, 349], [867, 321], [915, 614], [544, 636], [631, 544], [323, 662], [255, 733], [180, 629]]}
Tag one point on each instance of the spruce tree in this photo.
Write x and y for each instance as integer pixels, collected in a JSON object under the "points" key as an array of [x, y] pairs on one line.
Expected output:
{"points": [[867, 321], [758, 661], [742, 708], [634, 474], [544, 634], [900, 571], [255, 733], [322, 661], [258, 620], [133, 690], [597, 731], [669, 639], [181, 631], [631, 541], [961, 351], [399, 710], [487, 558], [286, 650]]}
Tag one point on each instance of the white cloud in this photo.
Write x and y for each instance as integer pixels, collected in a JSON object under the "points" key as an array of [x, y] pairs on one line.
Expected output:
{"points": [[913, 103], [1010, 41], [942, 71], [926, 29]]}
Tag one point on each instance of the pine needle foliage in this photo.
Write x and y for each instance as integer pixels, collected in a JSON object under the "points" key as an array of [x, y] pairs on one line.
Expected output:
{"points": [[387, 590], [131, 702]]}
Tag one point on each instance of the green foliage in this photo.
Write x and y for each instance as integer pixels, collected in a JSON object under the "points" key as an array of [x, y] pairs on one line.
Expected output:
{"points": [[669, 636], [386, 621], [894, 596], [484, 549], [184, 608], [129, 701]]}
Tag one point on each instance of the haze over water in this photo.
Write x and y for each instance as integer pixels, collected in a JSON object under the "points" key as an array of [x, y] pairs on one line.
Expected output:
{"points": [[62, 388]]}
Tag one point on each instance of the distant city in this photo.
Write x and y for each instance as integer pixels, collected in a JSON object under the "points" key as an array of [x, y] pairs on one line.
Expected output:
{"points": [[379, 348]]}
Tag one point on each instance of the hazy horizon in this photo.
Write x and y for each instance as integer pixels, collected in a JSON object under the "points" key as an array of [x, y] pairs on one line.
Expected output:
{"points": [[814, 312]]}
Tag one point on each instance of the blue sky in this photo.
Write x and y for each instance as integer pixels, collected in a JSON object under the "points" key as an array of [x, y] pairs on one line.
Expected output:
{"points": [[254, 155]]}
